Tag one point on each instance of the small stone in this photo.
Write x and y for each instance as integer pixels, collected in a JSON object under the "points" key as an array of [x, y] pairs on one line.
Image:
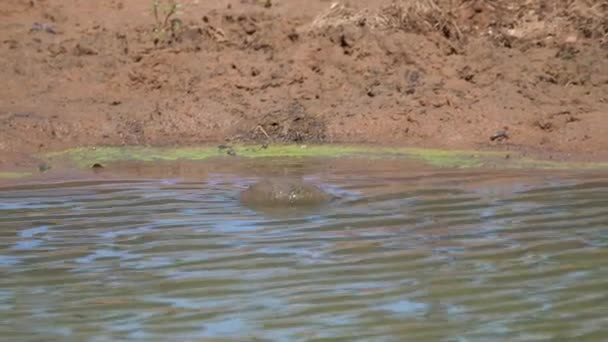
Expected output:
{"points": [[499, 135], [43, 27]]}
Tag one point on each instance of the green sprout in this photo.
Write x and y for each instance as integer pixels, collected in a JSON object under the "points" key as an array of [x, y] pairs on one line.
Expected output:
{"points": [[166, 26]]}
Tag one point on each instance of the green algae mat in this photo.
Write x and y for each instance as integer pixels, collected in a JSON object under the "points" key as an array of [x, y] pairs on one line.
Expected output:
{"points": [[86, 157], [14, 175], [89, 156]]}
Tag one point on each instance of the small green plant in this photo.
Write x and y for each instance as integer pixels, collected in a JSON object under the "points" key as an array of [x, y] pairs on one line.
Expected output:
{"points": [[165, 26]]}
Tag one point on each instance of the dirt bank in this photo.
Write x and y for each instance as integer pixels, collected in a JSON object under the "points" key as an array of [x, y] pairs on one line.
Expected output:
{"points": [[515, 75]]}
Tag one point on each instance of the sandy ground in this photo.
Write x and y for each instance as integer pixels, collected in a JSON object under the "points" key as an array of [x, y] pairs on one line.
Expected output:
{"points": [[528, 76]]}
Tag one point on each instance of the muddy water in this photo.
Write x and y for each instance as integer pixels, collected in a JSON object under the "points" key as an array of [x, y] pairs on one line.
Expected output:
{"points": [[406, 253]]}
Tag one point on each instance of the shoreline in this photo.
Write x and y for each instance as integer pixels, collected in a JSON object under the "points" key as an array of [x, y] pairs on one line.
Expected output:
{"points": [[76, 163]]}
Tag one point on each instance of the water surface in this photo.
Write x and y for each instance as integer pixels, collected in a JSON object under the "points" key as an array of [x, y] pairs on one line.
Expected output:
{"points": [[168, 253]]}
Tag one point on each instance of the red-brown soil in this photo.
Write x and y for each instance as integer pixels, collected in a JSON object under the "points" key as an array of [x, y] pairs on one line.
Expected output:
{"points": [[447, 74]]}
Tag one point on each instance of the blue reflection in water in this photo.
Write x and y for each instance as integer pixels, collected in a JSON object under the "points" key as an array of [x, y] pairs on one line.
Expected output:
{"points": [[104, 254], [406, 307], [233, 326], [31, 232]]}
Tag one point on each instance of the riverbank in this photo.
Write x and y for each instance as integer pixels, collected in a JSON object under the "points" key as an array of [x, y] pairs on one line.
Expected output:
{"points": [[530, 79]]}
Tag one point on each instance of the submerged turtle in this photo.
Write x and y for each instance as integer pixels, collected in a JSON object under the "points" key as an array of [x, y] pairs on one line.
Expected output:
{"points": [[284, 193]]}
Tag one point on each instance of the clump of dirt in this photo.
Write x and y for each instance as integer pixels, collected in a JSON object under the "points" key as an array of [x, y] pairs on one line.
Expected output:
{"points": [[292, 124], [434, 73]]}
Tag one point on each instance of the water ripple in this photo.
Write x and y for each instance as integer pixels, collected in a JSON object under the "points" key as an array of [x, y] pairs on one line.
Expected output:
{"points": [[441, 255]]}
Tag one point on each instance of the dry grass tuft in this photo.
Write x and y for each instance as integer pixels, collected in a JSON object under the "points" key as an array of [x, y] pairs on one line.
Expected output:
{"points": [[339, 14], [589, 17], [513, 20], [421, 16], [564, 20]]}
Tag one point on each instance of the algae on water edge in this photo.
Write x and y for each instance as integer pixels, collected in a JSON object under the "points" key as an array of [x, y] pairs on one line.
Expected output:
{"points": [[14, 175], [85, 157]]}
